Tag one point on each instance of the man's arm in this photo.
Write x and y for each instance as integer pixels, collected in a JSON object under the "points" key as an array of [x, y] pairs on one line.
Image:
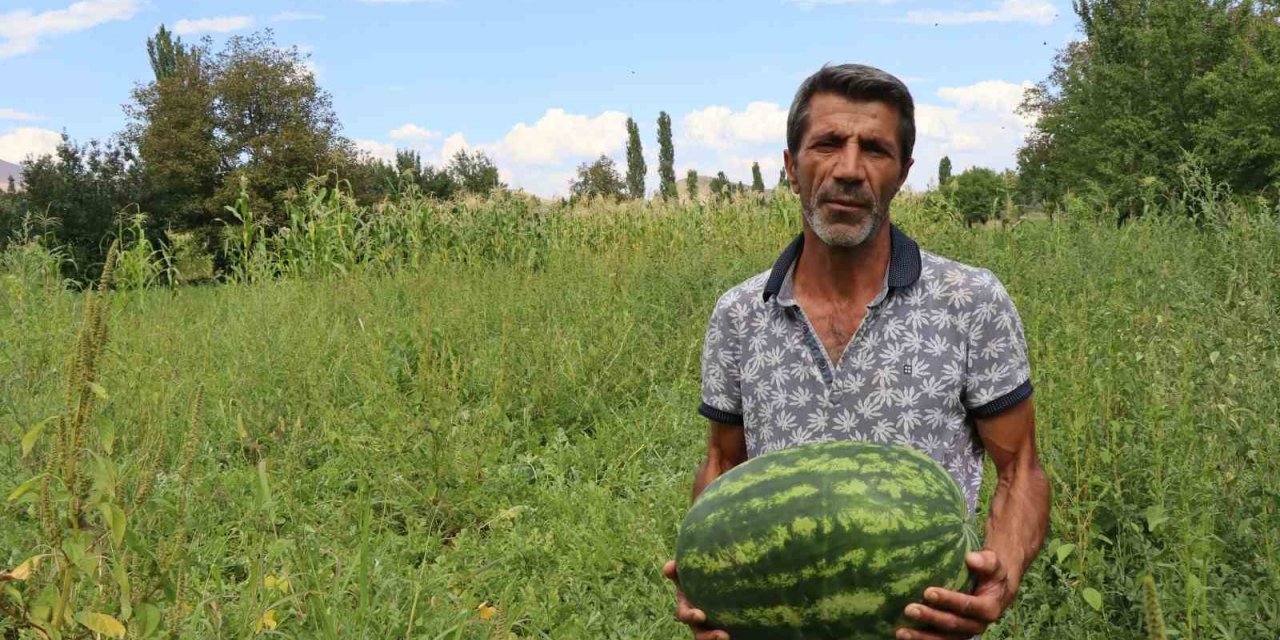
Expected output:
{"points": [[1016, 528], [726, 449], [1019, 517]]}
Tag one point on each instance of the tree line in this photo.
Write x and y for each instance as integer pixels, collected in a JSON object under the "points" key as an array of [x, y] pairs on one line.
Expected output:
{"points": [[207, 127], [1159, 103]]}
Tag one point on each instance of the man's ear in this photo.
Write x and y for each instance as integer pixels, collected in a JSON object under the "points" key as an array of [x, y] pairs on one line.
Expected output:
{"points": [[791, 171], [906, 170]]}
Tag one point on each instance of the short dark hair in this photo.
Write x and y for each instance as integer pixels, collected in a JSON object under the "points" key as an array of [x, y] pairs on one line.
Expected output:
{"points": [[855, 82]]}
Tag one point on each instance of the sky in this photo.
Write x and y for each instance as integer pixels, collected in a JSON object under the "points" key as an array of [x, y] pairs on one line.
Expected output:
{"points": [[542, 86]]}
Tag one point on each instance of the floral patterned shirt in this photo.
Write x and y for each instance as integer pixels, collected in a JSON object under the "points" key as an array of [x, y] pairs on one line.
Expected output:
{"points": [[940, 345]]}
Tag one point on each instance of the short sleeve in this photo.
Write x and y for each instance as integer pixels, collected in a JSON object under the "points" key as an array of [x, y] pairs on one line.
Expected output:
{"points": [[721, 372], [997, 369]]}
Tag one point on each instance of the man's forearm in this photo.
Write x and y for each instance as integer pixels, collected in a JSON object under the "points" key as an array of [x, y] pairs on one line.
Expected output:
{"points": [[711, 468], [1019, 518]]}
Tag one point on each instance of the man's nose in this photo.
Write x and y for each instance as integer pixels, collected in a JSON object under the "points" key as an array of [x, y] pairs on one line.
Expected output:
{"points": [[849, 166]]}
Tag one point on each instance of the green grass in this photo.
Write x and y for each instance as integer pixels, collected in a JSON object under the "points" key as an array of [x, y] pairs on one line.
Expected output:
{"points": [[518, 430]]}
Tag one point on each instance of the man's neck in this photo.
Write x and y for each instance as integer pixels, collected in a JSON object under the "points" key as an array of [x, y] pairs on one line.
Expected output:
{"points": [[843, 275]]}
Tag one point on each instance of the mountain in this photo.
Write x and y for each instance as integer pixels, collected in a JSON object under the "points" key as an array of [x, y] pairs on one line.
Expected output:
{"points": [[9, 169]]}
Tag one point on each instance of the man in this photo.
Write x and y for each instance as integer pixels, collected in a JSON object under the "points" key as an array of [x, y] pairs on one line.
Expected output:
{"points": [[856, 333]]}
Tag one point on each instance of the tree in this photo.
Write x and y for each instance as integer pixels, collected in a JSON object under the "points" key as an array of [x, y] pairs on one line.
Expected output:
{"points": [[944, 171], [474, 172], [691, 184], [173, 127], [168, 55], [720, 186], [275, 126], [635, 162], [666, 158], [977, 194], [784, 183], [87, 190], [1149, 82], [598, 179], [757, 180]]}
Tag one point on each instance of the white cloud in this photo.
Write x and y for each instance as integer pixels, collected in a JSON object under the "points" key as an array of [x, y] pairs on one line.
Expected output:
{"points": [[377, 149], [19, 144], [451, 146], [22, 30], [295, 16], [558, 135], [720, 127], [1038, 12], [413, 132], [978, 126], [995, 95], [212, 25], [14, 114]]}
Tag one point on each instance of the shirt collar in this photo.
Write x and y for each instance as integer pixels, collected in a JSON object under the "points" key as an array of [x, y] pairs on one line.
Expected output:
{"points": [[903, 271]]}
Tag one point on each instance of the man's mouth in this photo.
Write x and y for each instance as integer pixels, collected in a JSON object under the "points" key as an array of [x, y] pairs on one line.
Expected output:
{"points": [[847, 205]]}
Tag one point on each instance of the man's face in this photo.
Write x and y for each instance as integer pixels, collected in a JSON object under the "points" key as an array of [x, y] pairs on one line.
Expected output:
{"points": [[848, 167]]}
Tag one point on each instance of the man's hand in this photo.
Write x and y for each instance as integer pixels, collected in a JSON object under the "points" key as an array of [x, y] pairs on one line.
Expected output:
{"points": [[951, 615], [685, 612]]}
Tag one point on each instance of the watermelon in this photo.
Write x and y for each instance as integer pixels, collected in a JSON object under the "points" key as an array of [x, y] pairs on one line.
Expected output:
{"points": [[824, 541]]}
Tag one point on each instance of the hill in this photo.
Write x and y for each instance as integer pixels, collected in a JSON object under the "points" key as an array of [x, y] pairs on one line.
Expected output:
{"points": [[704, 187]]}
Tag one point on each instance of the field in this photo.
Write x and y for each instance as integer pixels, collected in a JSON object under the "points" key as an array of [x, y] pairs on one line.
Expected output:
{"points": [[492, 434]]}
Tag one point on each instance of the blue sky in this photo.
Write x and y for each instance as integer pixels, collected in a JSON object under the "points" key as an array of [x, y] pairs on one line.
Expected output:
{"points": [[545, 85]]}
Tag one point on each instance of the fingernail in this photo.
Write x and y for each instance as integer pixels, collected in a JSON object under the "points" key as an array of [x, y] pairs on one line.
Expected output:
{"points": [[931, 595], [904, 635], [913, 610]]}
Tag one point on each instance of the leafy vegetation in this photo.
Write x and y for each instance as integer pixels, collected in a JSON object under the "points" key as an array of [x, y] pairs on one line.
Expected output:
{"points": [[382, 450]]}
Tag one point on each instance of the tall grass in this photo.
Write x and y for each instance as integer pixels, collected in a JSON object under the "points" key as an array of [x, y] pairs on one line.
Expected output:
{"points": [[477, 419]]}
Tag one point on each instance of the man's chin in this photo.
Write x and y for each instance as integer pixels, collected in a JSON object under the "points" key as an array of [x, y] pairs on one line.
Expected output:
{"points": [[843, 236]]}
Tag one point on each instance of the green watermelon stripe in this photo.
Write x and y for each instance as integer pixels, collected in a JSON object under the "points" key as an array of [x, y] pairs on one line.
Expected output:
{"points": [[824, 541], [889, 579], [885, 491]]}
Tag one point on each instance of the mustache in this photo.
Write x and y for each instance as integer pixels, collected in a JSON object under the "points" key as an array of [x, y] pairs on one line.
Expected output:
{"points": [[857, 195]]}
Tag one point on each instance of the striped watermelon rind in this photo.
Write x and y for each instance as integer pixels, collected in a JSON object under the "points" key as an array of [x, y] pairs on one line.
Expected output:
{"points": [[824, 541]]}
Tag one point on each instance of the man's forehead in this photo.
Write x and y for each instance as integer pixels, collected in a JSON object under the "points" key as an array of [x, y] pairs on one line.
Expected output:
{"points": [[831, 113]]}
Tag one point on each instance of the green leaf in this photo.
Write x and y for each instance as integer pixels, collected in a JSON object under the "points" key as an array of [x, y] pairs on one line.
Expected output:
{"points": [[101, 623], [104, 476], [107, 436], [1155, 517], [1093, 598], [98, 390], [126, 589], [29, 440], [147, 621], [113, 517], [1064, 551], [25, 487]]}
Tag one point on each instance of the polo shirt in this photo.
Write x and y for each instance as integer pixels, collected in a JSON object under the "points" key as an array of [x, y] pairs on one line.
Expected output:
{"points": [[941, 344]]}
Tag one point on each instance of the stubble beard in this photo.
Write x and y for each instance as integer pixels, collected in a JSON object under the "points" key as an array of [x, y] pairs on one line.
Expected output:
{"points": [[846, 233]]}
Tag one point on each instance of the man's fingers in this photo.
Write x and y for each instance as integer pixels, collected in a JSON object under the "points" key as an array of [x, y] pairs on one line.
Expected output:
{"points": [[988, 564], [980, 608], [946, 622], [669, 570], [687, 614]]}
